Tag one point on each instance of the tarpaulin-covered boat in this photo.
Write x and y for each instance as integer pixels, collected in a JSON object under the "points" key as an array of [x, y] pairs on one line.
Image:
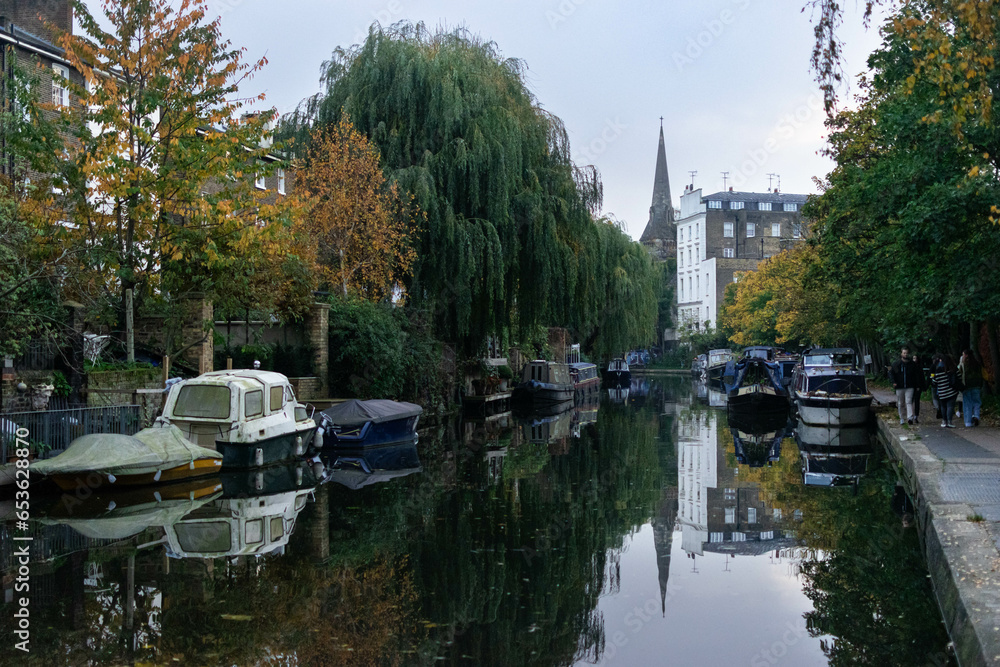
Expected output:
{"points": [[159, 454], [356, 423]]}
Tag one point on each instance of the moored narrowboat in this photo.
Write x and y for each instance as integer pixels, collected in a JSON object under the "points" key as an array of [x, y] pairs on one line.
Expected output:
{"points": [[544, 382]]}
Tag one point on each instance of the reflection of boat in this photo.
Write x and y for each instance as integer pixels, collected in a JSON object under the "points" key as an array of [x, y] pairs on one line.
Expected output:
{"points": [[833, 436], [832, 466], [757, 438], [716, 364], [829, 388], [355, 423], [700, 386], [274, 479], [618, 395], [123, 514], [250, 526], [250, 416], [617, 373], [754, 382], [545, 382], [155, 455], [547, 429], [372, 465]]}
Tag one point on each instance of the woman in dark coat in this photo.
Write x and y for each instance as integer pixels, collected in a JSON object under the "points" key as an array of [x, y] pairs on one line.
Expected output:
{"points": [[944, 386]]}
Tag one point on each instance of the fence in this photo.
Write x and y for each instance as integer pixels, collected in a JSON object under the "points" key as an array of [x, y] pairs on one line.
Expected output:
{"points": [[38, 355], [57, 428]]}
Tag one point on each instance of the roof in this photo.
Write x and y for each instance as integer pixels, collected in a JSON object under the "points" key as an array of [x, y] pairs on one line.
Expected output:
{"points": [[29, 38], [354, 411], [756, 197]]}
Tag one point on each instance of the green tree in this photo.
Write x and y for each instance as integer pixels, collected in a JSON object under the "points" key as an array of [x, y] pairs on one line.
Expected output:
{"points": [[511, 242], [161, 194]]}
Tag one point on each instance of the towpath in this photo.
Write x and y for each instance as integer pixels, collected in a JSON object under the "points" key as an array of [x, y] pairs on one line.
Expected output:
{"points": [[953, 476]]}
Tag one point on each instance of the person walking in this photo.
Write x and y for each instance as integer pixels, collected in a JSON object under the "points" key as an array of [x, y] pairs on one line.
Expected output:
{"points": [[971, 375], [905, 376], [944, 386], [920, 360]]}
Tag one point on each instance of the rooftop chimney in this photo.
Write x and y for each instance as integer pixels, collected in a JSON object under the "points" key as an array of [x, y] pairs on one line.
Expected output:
{"points": [[730, 188]]}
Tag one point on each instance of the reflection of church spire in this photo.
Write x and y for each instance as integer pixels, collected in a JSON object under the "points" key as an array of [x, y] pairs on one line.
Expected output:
{"points": [[663, 535]]}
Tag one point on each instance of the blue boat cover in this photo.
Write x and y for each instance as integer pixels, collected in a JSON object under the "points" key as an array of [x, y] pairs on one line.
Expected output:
{"points": [[355, 412]]}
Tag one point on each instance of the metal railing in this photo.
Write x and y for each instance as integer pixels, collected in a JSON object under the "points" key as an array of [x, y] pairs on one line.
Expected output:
{"points": [[57, 428]]}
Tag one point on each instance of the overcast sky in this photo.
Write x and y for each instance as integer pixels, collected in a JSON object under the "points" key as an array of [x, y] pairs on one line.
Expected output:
{"points": [[730, 77]]}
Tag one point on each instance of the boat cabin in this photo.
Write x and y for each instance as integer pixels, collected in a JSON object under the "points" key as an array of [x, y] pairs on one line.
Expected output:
{"points": [[759, 352], [546, 372], [237, 406], [830, 371], [719, 357], [583, 372], [618, 366]]}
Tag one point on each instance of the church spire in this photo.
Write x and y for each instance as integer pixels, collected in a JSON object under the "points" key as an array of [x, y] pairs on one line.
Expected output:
{"points": [[661, 212]]}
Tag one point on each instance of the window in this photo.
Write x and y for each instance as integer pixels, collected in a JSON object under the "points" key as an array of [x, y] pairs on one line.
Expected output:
{"points": [[736, 205], [697, 284], [281, 181], [764, 206], [60, 94], [715, 537], [204, 401], [730, 515], [260, 182], [277, 528], [254, 403], [728, 252], [689, 256], [730, 494], [736, 277], [706, 284], [727, 230], [255, 531], [277, 394], [739, 537], [791, 207], [775, 229], [751, 229], [796, 230], [752, 514], [776, 513], [715, 204], [680, 256], [767, 535]]}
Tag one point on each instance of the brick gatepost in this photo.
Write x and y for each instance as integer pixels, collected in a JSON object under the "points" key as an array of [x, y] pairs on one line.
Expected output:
{"points": [[318, 332]]}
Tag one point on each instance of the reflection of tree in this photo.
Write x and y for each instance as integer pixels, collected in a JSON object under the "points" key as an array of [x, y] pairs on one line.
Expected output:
{"points": [[866, 577]]}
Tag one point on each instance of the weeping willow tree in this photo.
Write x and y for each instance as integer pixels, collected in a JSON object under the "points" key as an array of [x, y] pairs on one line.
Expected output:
{"points": [[510, 241]]}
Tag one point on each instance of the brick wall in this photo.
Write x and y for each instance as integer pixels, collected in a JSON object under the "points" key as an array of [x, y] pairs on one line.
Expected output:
{"points": [[32, 16]]}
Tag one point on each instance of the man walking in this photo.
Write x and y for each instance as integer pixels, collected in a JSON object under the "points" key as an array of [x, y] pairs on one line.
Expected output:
{"points": [[905, 376], [971, 375]]}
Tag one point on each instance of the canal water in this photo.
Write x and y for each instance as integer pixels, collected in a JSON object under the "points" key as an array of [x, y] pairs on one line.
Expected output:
{"points": [[640, 529]]}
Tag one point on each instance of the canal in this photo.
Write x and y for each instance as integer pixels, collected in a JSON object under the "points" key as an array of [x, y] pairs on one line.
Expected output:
{"points": [[643, 529]]}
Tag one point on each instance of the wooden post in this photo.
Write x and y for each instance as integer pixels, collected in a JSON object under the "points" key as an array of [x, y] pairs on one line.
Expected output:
{"points": [[129, 327], [229, 363], [166, 369]]}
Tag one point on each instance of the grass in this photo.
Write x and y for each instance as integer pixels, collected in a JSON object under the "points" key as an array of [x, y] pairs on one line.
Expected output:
{"points": [[976, 518]]}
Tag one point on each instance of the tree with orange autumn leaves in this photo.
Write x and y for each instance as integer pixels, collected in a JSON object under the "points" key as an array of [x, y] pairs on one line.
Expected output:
{"points": [[362, 225], [159, 160]]}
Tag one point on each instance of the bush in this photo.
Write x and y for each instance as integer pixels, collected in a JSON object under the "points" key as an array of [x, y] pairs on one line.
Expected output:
{"points": [[381, 351]]}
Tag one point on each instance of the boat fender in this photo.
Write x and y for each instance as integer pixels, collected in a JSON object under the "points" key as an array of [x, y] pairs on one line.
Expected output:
{"points": [[318, 438], [318, 468], [259, 457], [299, 449], [258, 481], [156, 494], [156, 477], [112, 505], [112, 479], [298, 477]]}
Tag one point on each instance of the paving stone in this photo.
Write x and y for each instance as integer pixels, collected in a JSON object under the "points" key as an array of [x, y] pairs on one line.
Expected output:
{"points": [[978, 488]]}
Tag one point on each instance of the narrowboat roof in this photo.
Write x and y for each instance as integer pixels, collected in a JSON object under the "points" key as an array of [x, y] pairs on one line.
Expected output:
{"points": [[829, 350], [721, 351], [582, 364]]}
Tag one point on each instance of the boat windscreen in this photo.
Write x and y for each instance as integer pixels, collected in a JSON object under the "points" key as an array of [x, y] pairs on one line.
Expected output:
{"points": [[829, 359], [204, 537], [838, 384], [203, 401]]}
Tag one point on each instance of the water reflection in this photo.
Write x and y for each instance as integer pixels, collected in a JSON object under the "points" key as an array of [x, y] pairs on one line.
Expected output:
{"points": [[604, 533]]}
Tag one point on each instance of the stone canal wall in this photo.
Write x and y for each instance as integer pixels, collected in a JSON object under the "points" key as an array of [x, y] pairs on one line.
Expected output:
{"points": [[950, 480]]}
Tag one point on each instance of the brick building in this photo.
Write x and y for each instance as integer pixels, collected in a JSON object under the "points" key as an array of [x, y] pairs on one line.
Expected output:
{"points": [[725, 233]]}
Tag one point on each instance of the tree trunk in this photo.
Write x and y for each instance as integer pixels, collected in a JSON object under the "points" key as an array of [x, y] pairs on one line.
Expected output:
{"points": [[343, 272]]}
